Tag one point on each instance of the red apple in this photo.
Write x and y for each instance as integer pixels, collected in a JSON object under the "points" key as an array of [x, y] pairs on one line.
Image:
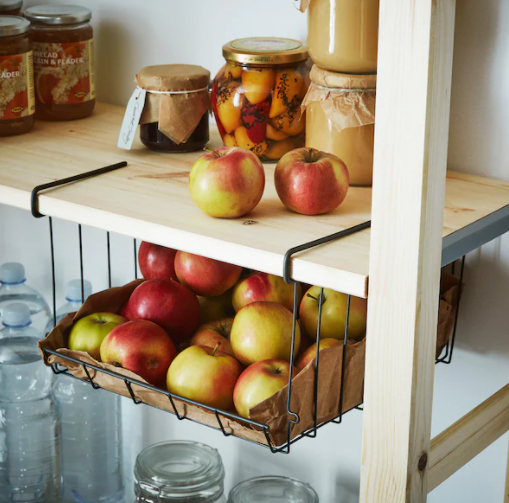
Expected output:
{"points": [[156, 262], [167, 303], [141, 347], [259, 382], [262, 287], [227, 182], [310, 353], [205, 276], [205, 375], [214, 333], [311, 182], [263, 331]]}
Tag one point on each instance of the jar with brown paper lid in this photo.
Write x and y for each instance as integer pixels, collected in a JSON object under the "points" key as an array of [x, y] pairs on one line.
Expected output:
{"points": [[175, 116], [340, 119]]}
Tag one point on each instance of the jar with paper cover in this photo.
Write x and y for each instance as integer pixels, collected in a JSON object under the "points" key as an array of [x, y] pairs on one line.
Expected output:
{"points": [[256, 96], [340, 119]]}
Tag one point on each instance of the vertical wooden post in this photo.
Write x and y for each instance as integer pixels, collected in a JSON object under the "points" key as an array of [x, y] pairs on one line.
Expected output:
{"points": [[413, 103], [506, 494]]}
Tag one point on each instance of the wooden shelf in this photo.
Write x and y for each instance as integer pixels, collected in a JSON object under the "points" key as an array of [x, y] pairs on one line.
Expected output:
{"points": [[149, 200]]}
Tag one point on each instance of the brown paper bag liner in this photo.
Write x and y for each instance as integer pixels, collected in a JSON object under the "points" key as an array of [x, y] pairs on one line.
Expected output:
{"points": [[348, 101], [303, 4], [272, 412]]}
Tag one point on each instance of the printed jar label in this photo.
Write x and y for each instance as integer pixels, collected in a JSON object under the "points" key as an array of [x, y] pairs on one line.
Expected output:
{"points": [[64, 73], [16, 86]]}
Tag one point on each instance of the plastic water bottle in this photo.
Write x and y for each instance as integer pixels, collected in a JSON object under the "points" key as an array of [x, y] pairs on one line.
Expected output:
{"points": [[73, 298], [17, 322], [13, 288], [29, 421]]}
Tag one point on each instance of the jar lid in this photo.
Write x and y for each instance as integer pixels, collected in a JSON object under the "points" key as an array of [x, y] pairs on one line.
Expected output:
{"points": [[173, 78], [178, 470], [335, 80], [10, 5], [58, 14], [13, 25], [274, 489], [265, 51]]}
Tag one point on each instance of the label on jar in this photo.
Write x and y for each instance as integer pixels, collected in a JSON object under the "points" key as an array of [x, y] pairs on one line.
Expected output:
{"points": [[16, 86], [64, 73]]}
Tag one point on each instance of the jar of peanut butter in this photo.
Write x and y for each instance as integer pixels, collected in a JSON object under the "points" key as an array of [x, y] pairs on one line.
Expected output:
{"points": [[63, 61], [340, 119], [11, 7], [343, 34]]}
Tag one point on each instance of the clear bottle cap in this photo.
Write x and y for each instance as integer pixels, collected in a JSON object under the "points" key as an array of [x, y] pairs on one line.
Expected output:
{"points": [[73, 290], [180, 471], [273, 490], [12, 273], [16, 315]]}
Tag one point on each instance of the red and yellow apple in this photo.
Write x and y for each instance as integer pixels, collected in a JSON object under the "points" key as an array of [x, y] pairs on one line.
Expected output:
{"points": [[216, 308], [88, 333], [205, 276], [141, 347], [204, 374], [262, 287], [259, 382], [227, 182], [169, 304], [214, 333], [311, 182], [263, 331], [333, 314], [156, 262], [310, 353]]}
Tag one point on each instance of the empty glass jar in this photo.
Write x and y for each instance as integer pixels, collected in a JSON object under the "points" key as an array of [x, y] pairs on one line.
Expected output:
{"points": [[179, 472]]}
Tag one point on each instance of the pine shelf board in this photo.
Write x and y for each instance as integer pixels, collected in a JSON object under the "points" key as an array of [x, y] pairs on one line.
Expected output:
{"points": [[149, 200]]}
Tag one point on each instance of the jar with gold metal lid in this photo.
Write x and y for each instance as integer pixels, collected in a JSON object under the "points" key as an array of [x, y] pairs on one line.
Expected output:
{"points": [[340, 119], [17, 101], [63, 61], [256, 96], [11, 7]]}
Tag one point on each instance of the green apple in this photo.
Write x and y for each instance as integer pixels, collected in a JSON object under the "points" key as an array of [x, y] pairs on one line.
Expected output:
{"points": [[89, 332]]}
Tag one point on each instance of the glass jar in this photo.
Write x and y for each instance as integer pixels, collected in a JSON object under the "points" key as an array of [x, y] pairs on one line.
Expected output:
{"points": [[343, 35], [340, 119], [179, 472], [175, 116], [11, 7], [273, 489], [17, 102], [256, 96], [63, 61]]}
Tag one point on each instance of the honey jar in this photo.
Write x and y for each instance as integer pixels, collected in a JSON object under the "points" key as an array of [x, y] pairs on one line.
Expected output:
{"points": [[63, 61], [340, 119], [11, 7], [256, 96], [17, 102]]}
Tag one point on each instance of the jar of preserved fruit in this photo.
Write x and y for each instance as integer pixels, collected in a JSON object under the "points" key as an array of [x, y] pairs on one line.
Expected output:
{"points": [[63, 61], [343, 34], [17, 101], [11, 7], [256, 96], [177, 472], [273, 489], [175, 116], [340, 119]]}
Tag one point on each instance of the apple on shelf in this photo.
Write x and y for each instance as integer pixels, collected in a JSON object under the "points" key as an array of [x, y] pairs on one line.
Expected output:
{"points": [[227, 182], [206, 375], [334, 309], [156, 262], [205, 276], [259, 382], [310, 354], [88, 333], [216, 308], [214, 333], [311, 182], [263, 331], [142, 347]]}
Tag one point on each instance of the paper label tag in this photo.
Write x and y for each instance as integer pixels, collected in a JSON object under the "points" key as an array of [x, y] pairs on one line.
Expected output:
{"points": [[131, 119]]}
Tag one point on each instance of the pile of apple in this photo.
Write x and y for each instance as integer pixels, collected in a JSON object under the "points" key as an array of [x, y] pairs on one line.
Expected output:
{"points": [[211, 332]]}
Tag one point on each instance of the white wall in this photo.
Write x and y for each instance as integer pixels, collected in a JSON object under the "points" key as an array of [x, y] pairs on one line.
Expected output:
{"points": [[131, 34]]}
